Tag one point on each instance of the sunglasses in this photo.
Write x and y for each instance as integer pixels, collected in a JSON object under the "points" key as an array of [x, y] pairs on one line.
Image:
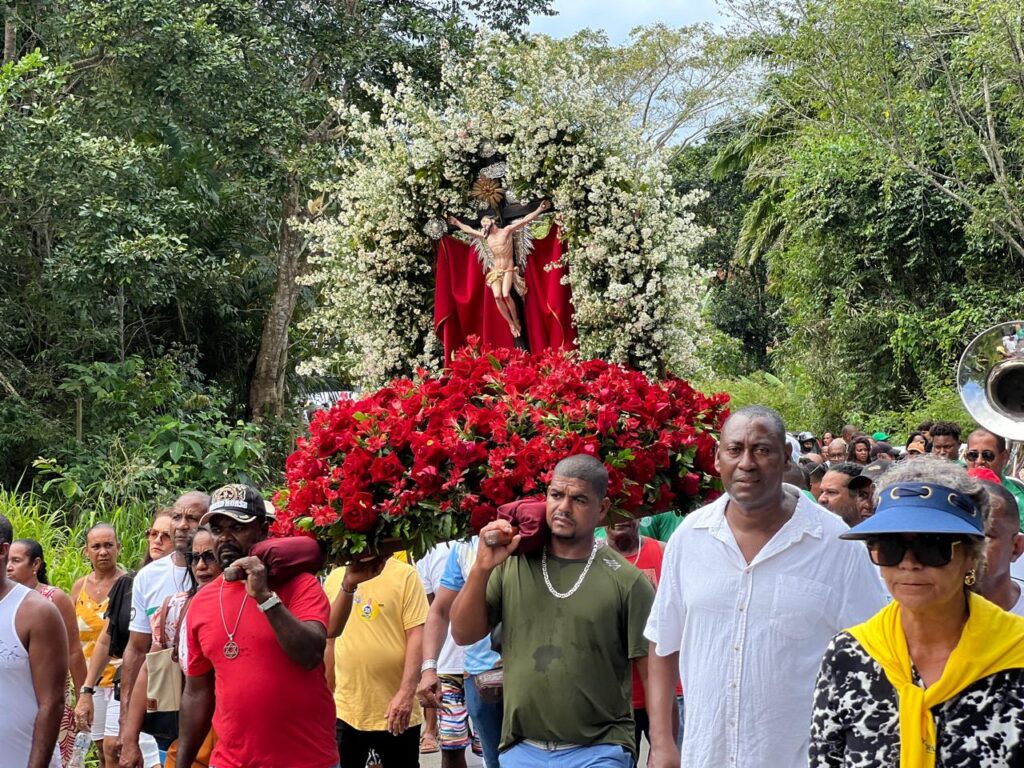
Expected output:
{"points": [[929, 551], [153, 534], [193, 558], [986, 455]]}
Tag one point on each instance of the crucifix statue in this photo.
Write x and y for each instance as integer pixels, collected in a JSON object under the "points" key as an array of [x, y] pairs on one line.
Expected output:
{"points": [[497, 246]]}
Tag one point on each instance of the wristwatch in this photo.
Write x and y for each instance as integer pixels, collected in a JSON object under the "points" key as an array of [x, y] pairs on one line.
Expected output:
{"points": [[86, 689], [428, 664], [270, 602]]}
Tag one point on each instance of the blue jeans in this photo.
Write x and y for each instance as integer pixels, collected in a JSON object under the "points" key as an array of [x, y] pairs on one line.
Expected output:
{"points": [[524, 755], [486, 717]]}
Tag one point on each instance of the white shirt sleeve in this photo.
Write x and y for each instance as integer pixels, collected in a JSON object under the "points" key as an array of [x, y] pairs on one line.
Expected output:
{"points": [[139, 619], [431, 567], [423, 571], [668, 614]]}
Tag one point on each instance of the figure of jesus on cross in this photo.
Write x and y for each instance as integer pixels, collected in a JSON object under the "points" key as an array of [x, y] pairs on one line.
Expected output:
{"points": [[500, 242]]}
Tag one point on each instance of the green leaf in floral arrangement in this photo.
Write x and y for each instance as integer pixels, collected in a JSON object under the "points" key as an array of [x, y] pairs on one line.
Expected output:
{"points": [[447, 527], [356, 543], [686, 456], [620, 459], [494, 362], [304, 523], [360, 416]]}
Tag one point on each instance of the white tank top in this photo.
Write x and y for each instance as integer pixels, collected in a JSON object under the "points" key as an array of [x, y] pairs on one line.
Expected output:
{"points": [[18, 713]]}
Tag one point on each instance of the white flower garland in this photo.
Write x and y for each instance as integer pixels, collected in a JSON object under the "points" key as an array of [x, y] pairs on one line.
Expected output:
{"points": [[635, 293]]}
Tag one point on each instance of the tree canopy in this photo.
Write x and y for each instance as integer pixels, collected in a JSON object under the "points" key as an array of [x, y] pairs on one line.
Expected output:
{"points": [[155, 160], [163, 163], [883, 167]]}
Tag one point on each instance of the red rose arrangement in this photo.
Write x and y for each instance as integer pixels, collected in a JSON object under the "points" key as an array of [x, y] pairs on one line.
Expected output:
{"points": [[431, 459]]}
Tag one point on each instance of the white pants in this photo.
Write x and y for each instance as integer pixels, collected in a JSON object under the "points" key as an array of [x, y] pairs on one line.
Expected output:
{"points": [[106, 713]]}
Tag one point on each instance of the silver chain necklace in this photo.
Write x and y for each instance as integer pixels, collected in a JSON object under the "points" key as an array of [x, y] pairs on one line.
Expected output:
{"points": [[231, 647], [547, 580]]}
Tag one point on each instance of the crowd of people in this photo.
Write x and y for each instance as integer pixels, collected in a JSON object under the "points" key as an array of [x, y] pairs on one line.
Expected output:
{"points": [[843, 603]]}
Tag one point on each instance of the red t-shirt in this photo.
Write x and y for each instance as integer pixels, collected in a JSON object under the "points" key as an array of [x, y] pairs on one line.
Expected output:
{"points": [[648, 560], [270, 712]]}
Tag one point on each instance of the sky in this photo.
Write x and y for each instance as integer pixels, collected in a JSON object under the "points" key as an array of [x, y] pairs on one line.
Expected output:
{"points": [[618, 17]]}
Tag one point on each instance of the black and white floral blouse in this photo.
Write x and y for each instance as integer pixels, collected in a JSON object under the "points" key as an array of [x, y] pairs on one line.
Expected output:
{"points": [[856, 716]]}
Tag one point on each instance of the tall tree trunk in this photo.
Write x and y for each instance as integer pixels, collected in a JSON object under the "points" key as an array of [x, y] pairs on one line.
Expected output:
{"points": [[10, 32], [266, 391]]}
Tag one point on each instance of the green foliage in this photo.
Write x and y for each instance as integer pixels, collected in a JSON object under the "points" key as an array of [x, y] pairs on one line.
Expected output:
{"points": [[793, 398], [148, 434], [939, 402], [63, 537], [884, 228], [676, 81], [790, 398], [739, 303], [144, 152], [33, 518]]}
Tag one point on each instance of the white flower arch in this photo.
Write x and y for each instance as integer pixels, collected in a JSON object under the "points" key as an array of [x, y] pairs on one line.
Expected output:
{"points": [[636, 295]]}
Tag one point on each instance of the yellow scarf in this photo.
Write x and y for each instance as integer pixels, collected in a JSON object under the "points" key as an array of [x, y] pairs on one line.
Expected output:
{"points": [[992, 641]]}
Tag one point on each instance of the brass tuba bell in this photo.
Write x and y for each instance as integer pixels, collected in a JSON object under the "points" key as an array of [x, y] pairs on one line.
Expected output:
{"points": [[990, 379]]}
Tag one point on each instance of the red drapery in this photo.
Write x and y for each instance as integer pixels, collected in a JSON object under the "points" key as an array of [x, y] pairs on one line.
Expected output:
{"points": [[464, 306]]}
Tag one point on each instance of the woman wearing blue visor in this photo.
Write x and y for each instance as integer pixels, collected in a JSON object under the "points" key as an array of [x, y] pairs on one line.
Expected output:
{"points": [[936, 678]]}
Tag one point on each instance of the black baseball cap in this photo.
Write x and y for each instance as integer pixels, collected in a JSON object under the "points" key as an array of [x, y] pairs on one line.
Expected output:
{"points": [[869, 474]]}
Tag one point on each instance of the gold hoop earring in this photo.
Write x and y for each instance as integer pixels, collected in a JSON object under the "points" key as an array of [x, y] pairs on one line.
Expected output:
{"points": [[971, 578]]}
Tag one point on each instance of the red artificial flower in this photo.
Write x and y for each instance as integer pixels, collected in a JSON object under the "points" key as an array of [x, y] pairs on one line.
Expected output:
{"points": [[386, 468], [466, 453], [482, 514], [666, 498], [427, 477], [689, 484], [358, 513], [488, 430], [705, 460]]}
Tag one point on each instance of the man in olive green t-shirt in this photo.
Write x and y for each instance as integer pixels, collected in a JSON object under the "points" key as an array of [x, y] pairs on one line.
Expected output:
{"points": [[572, 619]]}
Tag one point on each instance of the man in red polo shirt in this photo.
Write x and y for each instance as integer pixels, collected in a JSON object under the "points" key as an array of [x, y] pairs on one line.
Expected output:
{"points": [[254, 658], [645, 554]]}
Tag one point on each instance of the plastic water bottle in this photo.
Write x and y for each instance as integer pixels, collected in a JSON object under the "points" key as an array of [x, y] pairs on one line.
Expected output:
{"points": [[82, 742]]}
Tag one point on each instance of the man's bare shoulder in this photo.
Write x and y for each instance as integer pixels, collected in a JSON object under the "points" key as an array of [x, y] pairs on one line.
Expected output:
{"points": [[35, 614], [36, 605]]}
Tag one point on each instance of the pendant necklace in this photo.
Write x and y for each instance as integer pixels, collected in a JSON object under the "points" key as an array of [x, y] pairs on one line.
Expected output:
{"points": [[579, 581], [231, 647]]}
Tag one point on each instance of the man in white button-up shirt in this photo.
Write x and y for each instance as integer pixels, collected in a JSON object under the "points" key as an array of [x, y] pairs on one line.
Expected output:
{"points": [[753, 588]]}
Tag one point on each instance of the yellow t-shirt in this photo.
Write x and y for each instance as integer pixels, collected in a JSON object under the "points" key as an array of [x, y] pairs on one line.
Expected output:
{"points": [[370, 654]]}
